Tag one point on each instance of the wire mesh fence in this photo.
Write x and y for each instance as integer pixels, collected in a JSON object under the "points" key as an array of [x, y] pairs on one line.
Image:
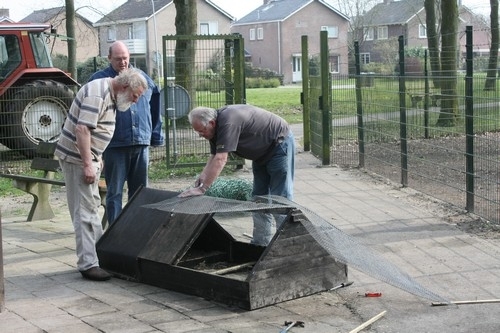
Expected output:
{"points": [[436, 133], [31, 112], [201, 71]]}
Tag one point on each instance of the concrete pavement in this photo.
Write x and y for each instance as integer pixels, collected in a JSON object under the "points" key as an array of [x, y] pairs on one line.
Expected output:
{"points": [[45, 293]]}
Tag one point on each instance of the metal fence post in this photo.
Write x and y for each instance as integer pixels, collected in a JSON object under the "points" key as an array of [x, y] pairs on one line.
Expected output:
{"points": [[469, 124], [359, 108], [326, 93], [402, 113], [426, 98], [305, 96]]}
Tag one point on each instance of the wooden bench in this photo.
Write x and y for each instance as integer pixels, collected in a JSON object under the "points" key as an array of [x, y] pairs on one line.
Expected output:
{"points": [[39, 187]]}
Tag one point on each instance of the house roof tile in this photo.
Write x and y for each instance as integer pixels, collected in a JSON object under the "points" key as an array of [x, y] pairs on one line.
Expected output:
{"points": [[45, 15], [393, 12], [138, 9], [279, 10], [133, 9]]}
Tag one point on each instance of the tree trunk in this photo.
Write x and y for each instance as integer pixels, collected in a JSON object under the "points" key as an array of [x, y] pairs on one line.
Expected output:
{"points": [[449, 30], [432, 41], [185, 52], [70, 31], [491, 75]]}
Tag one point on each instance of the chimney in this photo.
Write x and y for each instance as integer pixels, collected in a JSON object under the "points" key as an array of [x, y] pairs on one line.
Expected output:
{"points": [[386, 2], [4, 12], [267, 1]]}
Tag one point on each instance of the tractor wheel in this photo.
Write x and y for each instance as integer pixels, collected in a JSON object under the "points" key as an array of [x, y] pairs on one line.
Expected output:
{"points": [[35, 113]]}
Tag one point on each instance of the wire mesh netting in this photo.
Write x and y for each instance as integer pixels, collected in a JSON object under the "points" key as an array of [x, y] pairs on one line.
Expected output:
{"points": [[340, 245]]}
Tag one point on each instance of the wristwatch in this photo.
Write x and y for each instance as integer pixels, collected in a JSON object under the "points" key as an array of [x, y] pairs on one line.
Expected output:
{"points": [[202, 187]]}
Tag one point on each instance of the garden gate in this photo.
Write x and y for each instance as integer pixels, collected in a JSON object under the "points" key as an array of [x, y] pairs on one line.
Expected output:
{"points": [[200, 70]]}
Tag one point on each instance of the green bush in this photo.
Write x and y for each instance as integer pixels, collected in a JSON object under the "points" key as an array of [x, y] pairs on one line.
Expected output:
{"points": [[60, 61], [209, 81], [259, 82], [265, 73], [89, 67]]}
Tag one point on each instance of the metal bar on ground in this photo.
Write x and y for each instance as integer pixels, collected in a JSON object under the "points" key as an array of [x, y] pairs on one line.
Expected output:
{"points": [[479, 301]]}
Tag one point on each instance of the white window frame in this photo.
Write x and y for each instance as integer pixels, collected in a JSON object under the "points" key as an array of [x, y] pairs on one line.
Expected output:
{"points": [[204, 28], [260, 33], [251, 33], [130, 31], [334, 66], [139, 30], [364, 57], [333, 30], [209, 28], [111, 33], [382, 32], [422, 31], [368, 33]]}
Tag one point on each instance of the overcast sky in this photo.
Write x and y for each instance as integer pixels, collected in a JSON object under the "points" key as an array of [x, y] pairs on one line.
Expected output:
{"points": [[237, 8]]}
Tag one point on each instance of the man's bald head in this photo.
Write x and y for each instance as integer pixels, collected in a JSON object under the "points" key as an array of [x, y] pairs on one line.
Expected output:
{"points": [[119, 56]]}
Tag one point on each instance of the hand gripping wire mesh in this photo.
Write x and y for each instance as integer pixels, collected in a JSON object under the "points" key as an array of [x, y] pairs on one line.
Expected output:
{"points": [[340, 245]]}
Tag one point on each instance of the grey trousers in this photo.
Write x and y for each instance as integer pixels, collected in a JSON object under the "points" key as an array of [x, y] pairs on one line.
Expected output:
{"points": [[83, 203]]}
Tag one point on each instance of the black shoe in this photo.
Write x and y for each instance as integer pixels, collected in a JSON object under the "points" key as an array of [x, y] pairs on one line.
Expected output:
{"points": [[96, 273]]}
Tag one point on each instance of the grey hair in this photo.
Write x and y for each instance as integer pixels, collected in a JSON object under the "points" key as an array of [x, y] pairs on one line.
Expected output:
{"points": [[203, 114], [132, 78]]}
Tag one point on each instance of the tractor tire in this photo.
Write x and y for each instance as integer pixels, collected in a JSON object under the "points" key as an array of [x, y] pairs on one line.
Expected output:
{"points": [[36, 112]]}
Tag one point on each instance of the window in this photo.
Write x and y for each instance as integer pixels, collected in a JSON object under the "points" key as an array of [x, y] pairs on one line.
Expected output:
{"points": [[333, 31], [204, 29], [422, 31], [382, 32], [209, 28], [260, 33], [130, 31], [364, 58], [252, 34], [10, 54], [334, 64], [140, 30], [368, 33], [112, 33], [136, 30], [139, 62]]}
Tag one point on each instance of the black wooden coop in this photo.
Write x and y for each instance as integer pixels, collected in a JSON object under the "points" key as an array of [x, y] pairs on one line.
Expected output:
{"points": [[194, 254]]}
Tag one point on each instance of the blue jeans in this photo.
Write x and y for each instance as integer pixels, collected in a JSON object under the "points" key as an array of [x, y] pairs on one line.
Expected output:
{"points": [[276, 178], [122, 164]]}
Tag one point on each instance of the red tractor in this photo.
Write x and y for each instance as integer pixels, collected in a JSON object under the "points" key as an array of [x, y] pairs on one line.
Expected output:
{"points": [[34, 96]]}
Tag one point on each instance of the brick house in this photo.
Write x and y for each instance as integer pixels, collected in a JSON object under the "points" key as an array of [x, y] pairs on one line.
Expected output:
{"points": [[388, 20], [87, 42], [272, 34], [140, 28]]}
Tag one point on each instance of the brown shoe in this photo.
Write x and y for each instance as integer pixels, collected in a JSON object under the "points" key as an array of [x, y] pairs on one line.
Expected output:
{"points": [[96, 274]]}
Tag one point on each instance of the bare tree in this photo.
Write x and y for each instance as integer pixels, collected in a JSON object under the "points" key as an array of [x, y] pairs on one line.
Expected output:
{"points": [[491, 75], [70, 31], [185, 24], [356, 10], [432, 40], [449, 30], [388, 50]]}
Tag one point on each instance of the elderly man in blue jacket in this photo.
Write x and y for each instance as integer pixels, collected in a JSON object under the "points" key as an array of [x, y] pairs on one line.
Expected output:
{"points": [[126, 158]]}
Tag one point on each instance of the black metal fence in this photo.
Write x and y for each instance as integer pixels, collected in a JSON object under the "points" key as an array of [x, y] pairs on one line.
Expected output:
{"points": [[392, 125], [206, 70]]}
